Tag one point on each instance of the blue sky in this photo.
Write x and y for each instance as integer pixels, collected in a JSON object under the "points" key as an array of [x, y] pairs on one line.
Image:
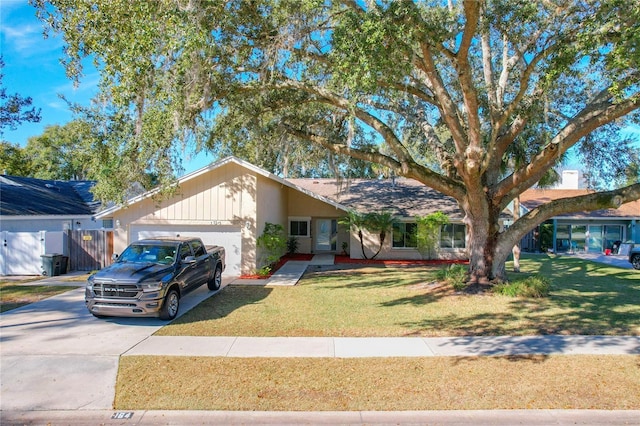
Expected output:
{"points": [[32, 68]]}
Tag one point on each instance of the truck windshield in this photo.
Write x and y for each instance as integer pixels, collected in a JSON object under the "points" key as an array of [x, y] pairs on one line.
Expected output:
{"points": [[149, 254]]}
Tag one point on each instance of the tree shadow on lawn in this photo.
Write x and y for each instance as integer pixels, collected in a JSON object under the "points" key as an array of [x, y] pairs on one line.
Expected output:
{"points": [[224, 303], [370, 276], [586, 298]]}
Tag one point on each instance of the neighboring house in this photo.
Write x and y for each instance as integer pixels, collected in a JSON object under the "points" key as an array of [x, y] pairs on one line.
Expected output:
{"points": [[598, 231], [39, 217]]}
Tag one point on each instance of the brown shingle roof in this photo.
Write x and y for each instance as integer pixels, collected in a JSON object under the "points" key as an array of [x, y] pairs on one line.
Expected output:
{"points": [[410, 198], [532, 198], [403, 197]]}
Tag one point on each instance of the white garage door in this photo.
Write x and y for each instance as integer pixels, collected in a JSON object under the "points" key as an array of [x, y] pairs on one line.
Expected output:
{"points": [[228, 237]]}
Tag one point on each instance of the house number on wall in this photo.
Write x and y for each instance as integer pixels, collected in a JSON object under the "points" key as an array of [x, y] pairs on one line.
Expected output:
{"points": [[87, 237]]}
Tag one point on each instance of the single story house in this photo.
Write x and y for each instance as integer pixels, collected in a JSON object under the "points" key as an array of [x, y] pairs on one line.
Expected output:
{"points": [[229, 202], [609, 231], [37, 216]]}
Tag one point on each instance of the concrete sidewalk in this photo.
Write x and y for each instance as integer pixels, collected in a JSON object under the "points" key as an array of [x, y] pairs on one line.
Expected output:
{"points": [[363, 347], [290, 273]]}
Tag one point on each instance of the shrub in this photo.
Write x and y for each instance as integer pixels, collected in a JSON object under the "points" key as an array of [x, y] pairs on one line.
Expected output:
{"points": [[265, 271], [292, 245], [532, 287], [273, 243], [455, 275]]}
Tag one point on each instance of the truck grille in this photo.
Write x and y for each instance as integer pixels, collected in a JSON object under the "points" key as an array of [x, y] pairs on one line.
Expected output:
{"points": [[120, 291]]}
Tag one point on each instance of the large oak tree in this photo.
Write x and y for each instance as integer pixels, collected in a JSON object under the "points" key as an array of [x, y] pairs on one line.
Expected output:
{"points": [[476, 99]]}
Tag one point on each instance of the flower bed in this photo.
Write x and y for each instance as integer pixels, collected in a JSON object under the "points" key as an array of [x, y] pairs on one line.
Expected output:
{"points": [[347, 259]]}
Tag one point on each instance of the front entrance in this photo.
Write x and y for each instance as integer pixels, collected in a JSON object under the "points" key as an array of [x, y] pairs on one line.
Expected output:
{"points": [[326, 234]]}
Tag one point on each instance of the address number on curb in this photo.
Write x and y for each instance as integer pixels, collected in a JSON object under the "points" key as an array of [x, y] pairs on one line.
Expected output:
{"points": [[122, 415]]}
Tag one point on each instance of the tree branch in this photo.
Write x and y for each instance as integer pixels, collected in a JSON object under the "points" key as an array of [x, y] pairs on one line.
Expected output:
{"points": [[590, 202], [599, 113], [408, 169]]}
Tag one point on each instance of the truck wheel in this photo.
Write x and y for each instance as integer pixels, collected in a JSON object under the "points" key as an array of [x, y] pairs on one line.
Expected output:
{"points": [[215, 281], [635, 261], [170, 306]]}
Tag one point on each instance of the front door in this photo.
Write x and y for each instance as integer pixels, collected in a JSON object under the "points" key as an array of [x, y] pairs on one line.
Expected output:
{"points": [[326, 233]]}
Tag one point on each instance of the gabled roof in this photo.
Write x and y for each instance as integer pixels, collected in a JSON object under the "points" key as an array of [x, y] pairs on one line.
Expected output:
{"points": [[532, 198], [23, 196], [400, 196], [216, 165]]}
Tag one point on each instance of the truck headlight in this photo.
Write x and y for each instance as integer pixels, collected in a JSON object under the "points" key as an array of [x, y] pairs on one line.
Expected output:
{"points": [[155, 285], [90, 282]]}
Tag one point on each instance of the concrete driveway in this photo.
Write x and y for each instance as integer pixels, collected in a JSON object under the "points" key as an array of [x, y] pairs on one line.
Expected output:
{"points": [[56, 356]]}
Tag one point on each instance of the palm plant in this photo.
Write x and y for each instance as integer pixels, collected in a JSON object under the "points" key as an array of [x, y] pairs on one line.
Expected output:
{"points": [[380, 223], [356, 222]]}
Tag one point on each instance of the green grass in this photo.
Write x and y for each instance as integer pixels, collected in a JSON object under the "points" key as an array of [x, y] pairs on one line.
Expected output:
{"points": [[15, 294], [585, 298]]}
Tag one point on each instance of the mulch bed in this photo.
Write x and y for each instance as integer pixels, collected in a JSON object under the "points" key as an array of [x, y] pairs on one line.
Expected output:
{"points": [[394, 262]]}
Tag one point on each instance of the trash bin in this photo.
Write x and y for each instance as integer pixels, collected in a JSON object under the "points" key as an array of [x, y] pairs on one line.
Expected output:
{"points": [[64, 265], [51, 263]]}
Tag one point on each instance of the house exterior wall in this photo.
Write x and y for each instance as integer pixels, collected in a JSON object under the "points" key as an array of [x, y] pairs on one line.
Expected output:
{"points": [[218, 199], [271, 207], [301, 205], [388, 252], [47, 223], [596, 235]]}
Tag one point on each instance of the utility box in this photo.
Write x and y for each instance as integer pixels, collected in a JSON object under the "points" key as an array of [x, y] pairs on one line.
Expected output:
{"points": [[51, 264]]}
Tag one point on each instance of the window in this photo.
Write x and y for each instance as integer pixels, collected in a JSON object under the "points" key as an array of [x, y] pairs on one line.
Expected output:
{"points": [[185, 251], [452, 235], [198, 248], [299, 227], [107, 223], [405, 235]]}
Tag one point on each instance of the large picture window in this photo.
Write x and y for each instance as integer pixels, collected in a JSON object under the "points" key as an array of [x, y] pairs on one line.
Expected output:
{"points": [[404, 235], [299, 227], [452, 235]]}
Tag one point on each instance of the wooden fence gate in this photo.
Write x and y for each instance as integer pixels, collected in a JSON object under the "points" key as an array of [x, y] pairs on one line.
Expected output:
{"points": [[90, 250]]}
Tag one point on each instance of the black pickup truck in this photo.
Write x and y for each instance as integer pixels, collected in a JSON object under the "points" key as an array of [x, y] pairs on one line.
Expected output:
{"points": [[151, 275]]}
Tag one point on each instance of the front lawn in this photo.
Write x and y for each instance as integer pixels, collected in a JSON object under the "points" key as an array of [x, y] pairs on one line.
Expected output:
{"points": [[328, 384], [586, 298], [16, 294]]}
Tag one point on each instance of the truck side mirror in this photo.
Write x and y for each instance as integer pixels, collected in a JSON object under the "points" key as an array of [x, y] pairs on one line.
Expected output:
{"points": [[189, 259], [114, 256]]}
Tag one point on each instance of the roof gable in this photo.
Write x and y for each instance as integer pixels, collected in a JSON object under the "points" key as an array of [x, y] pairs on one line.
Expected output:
{"points": [[217, 165], [23, 196]]}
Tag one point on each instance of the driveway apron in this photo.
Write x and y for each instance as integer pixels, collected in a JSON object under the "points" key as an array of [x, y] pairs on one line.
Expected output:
{"points": [[56, 356]]}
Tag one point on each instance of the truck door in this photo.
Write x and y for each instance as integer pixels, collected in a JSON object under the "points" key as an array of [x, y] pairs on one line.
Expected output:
{"points": [[188, 271]]}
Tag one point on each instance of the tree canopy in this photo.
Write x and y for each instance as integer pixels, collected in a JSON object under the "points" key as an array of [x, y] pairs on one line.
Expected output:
{"points": [[476, 99], [14, 109]]}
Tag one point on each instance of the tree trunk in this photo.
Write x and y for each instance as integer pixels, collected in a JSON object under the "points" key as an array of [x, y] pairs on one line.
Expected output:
{"points": [[486, 255], [516, 246]]}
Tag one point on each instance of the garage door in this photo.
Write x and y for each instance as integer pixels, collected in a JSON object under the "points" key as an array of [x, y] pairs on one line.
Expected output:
{"points": [[228, 237]]}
